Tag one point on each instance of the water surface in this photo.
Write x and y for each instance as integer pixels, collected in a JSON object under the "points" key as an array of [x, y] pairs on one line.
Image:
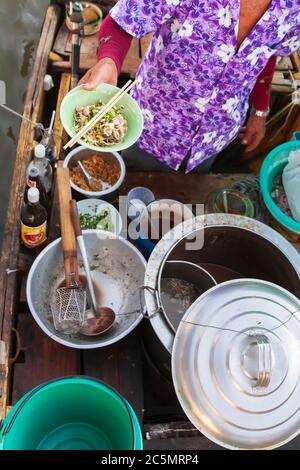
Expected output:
{"points": [[20, 25]]}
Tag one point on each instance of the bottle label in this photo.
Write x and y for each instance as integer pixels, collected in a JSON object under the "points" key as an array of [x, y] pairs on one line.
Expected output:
{"points": [[31, 184], [32, 237]]}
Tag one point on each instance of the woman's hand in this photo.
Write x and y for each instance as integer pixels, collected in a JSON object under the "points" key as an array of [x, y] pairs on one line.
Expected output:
{"points": [[103, 72], [253, 133]]}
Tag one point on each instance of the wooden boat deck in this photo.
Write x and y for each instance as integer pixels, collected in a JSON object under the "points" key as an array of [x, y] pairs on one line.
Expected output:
{"points": [[31, 357]]}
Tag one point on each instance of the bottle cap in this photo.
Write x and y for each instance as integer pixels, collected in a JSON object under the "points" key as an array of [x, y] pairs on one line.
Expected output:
{"points": [[33, 172], [40, 151], [33, 195], [48, 82]]}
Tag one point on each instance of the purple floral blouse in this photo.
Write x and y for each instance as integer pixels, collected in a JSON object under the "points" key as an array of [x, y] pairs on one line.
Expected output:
{"points": [[194, 83]]}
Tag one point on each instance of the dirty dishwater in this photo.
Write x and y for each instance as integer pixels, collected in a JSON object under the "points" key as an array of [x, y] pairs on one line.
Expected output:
{"points": [[177, 295], [180, 283]]}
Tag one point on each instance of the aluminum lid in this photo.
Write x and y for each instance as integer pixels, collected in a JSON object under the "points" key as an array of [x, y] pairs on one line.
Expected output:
{"points": [[238, 378]]}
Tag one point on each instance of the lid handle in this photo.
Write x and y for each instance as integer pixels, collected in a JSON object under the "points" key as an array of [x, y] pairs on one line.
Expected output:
{"points": [[264, 372]]}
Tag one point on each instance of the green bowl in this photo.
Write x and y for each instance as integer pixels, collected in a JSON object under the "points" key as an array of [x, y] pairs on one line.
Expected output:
{"points": [[104, 92], [273, 166]]}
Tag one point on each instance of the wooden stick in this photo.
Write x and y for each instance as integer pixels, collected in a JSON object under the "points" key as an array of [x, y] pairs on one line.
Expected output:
{"points": [[101, 113], [69, 245]]}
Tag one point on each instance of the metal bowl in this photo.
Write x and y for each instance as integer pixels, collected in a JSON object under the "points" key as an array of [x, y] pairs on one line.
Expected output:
{"points": [[82, 153], [117, 266]]}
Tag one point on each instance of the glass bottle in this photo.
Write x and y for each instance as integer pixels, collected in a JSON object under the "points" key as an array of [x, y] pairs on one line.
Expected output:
{"points": [[33, 221], [42, 164]]}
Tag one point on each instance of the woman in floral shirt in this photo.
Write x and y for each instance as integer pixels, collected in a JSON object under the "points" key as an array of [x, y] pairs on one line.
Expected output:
{"points": [[205, 59]]}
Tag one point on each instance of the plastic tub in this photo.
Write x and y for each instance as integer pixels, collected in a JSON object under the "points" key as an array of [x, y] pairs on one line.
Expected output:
{"points": [[273, 166], [73, 413]]}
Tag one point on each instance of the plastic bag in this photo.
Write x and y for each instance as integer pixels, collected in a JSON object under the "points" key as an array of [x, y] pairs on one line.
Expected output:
{"points": [[291, 183]]}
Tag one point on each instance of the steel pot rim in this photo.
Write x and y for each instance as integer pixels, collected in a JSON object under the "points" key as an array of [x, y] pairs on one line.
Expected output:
{"points": [[168, 243]]}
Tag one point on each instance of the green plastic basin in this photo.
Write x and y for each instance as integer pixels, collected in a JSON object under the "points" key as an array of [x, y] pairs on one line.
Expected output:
{"points": [[73, 413], [273, 166]]}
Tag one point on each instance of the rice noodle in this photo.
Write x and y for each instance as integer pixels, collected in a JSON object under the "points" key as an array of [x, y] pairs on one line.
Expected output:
{"points": [[110, 130]]}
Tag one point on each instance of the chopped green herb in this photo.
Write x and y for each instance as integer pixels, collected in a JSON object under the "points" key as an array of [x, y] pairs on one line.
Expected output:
{"points": [[97, 221]]}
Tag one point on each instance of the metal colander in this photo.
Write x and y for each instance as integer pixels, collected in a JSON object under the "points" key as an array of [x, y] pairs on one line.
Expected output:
{"points": [[69, 308]]}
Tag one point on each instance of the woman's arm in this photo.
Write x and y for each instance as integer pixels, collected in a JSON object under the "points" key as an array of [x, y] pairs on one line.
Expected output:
{"points": [[253, 133], [127, 18], [114, 44], [260, 97]]}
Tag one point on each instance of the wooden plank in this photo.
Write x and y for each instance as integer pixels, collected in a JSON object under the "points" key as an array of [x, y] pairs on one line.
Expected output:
{"points": [[145, 44], [186, 443], [60, 136], [295, 61], [120, 366], [11, 241], [60, 139], [191, 188], [44, 359], [88, 57], [133, 59], [61, 41], [293, 125]]}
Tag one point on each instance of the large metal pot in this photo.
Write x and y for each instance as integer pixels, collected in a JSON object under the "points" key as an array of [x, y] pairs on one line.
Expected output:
{"points": [[236, 366], [247, 248], [117, 269]]}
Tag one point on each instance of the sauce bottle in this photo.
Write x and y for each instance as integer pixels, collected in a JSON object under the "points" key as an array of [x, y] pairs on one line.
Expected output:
{"points": [[33, 221], [49, 143], [34, 181], [42, 164]]}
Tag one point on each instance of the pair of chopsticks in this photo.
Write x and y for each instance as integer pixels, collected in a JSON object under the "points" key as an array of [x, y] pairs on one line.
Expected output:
{"points": [[115, 99]]}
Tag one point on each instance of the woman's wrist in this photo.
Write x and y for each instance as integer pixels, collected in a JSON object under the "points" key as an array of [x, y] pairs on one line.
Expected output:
{"points": [[108, 61]]}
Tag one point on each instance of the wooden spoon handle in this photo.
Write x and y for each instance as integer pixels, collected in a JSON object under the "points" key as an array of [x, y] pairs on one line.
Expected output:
{"points": [[69, 245], [75, 218]]}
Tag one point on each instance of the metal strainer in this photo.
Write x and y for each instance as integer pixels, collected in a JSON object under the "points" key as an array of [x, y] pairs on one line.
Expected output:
{"points": [[69, 309], [69, 303]]}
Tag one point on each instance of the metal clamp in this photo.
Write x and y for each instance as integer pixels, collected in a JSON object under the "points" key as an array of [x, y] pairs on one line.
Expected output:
{"points": [[264, 373], [154, 292]]}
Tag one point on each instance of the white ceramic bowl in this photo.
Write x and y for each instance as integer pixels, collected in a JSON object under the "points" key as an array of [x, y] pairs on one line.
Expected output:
{"points": [[96, 206]]}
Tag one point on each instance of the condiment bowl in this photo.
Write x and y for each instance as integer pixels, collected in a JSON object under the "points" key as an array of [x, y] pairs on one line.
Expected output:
{"points": [[94, 207], [82, 153]]}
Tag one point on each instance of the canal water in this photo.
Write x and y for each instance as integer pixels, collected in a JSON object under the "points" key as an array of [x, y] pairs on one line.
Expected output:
{"points": [[20, 25]]}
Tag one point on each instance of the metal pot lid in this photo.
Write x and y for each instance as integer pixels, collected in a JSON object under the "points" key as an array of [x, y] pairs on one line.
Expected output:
{"points": [[236, 364]]}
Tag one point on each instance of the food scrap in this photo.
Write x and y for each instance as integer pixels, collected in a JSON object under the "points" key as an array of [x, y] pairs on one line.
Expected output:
{"points": [[97, 166], [110, 130]]}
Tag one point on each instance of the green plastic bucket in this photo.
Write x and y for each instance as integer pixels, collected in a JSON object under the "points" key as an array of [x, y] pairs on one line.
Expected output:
{"points": [[72, 413], [272, 167]]}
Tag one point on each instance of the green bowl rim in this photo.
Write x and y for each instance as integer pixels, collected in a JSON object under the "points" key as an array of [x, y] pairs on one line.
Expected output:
{"points": [[282, 218], [111, 148]]}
